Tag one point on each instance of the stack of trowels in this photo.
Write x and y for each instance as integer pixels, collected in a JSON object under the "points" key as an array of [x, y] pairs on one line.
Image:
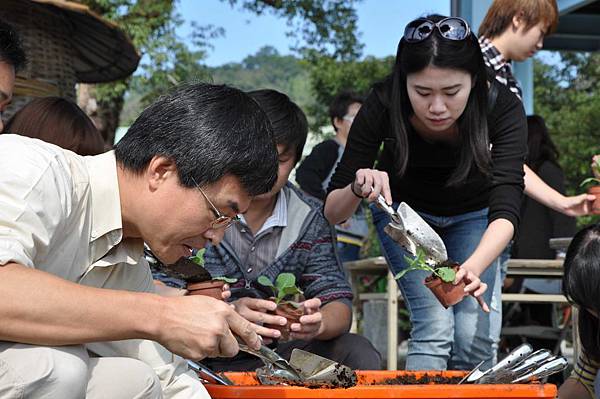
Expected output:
{"points": [[522, 365]]}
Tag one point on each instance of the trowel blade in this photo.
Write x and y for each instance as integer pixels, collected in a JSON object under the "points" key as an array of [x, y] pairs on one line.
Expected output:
{"points": [[315, 368]]}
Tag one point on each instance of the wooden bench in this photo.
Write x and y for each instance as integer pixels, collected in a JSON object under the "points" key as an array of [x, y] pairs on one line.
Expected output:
{"points": [[540, 268]]}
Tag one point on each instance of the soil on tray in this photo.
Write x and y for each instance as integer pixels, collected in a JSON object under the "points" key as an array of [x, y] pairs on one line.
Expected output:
{"points": [[421, 380], [343, 379]]}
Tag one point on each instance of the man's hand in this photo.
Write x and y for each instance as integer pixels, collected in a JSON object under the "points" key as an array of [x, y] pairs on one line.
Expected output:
{"points": [[311, 324], [255, 310], [198, 326], [164, 290]]}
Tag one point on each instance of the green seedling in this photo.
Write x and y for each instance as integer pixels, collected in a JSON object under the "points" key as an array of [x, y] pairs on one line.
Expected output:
{"points": [[199, 260], [595, 171], [284, 287], [445, 273], [199, 257]]}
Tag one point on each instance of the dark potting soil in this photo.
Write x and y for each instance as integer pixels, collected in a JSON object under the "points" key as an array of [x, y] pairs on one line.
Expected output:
{"points": [[421, 380]]}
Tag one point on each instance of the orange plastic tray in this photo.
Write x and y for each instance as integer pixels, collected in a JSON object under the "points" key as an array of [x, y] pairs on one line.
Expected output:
{"points": [[248, 387]]}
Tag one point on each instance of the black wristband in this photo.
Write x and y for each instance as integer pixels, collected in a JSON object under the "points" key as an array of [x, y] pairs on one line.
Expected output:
{"points": [[354, 192]]}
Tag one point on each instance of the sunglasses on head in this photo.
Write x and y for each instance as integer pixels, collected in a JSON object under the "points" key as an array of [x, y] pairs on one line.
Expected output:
{"points": [[451, 28]]}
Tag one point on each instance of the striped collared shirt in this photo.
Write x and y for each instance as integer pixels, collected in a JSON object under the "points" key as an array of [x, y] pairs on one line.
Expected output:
{"points": [[502, 68], [257, 251]]}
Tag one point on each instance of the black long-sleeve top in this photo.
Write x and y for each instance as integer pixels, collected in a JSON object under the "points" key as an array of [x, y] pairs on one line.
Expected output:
{"points": [[316, 167], [423, 185], [539, 223]]}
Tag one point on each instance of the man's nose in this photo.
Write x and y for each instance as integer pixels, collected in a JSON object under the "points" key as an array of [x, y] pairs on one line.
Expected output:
{"points": [[540, 44]]}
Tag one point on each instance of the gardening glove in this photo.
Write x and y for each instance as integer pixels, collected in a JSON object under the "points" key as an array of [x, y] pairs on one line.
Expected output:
{"points": [[256, 311], [311, 324]]}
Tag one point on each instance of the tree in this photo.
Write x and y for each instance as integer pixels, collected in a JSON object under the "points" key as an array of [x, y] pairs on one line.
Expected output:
{"points": [[327, 26], [567, 95], [329, 77]]}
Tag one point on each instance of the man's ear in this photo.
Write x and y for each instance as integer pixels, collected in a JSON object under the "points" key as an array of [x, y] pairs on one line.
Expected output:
{"points": [[337, 122], [159, 170], [518, 21]]}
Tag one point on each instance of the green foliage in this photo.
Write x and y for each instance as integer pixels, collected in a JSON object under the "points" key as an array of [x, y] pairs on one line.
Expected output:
{"points": [[328, 77], [567, 96], [328, 27], [595, 171], [199, 257], [199, 260], [284, 287], [229, 280], [589, 180], [267, 69], [446, 274]]}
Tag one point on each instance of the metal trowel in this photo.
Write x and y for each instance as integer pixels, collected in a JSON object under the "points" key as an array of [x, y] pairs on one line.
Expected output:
{"points": [[409, 230], [320, 370], [313, 371]]}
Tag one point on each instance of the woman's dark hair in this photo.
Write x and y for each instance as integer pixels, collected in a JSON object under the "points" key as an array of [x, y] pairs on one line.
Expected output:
{"points": [[290, 126], [208, 131], [11, 47], [540, 145], [464, 55], [58, 121], [340, 104], [581, 286]]}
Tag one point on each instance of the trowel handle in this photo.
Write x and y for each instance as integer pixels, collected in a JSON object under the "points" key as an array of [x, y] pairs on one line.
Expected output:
{"points": [[383, 204], [546, 369], [208, 374], [512, 359]]}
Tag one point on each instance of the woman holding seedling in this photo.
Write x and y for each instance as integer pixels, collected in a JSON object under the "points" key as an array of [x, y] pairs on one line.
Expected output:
{"points": [[453, 146]]}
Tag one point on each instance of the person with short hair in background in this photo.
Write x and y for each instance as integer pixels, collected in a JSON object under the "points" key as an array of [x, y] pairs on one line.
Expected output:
{"points": [[315, 171], [12, 60]]}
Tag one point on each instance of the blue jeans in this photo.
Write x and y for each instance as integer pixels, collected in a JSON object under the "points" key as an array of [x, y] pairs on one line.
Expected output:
{"points": [[460, 337]]}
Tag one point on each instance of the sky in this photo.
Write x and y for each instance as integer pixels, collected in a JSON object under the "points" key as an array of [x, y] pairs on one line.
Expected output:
{"points": [[380, 23]]}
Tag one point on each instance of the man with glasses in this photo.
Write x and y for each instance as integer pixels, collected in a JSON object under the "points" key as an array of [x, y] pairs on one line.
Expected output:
{"points": [[314, 173], [79, 314], [12, 59], [284, 231]]}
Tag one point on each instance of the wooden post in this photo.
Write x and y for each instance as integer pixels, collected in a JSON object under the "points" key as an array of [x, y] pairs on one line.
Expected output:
{"points": [[392, 308]]}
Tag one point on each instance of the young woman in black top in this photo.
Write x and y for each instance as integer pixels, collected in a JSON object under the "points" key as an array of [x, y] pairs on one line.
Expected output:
{"points": [[457, 159]]}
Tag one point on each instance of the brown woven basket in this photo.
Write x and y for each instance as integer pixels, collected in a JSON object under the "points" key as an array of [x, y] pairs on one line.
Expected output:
{"points": [[65, 43]]}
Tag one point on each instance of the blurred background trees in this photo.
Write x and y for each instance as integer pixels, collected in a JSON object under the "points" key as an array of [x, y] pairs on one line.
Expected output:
{"points": [[326, 58]]}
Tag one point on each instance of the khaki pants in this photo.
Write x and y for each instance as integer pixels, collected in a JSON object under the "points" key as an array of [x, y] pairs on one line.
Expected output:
{"points": [[28, 371], [123, 369]]}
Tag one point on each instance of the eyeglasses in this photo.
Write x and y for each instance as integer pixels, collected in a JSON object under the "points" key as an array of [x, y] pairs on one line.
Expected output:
{"points": [[221, 221], [349, 118], [452, 28]]}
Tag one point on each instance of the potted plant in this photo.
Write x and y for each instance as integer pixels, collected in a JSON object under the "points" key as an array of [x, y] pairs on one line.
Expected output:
{"points": [[287, 297], [440, 280], [593, 184], [212, 287]]}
